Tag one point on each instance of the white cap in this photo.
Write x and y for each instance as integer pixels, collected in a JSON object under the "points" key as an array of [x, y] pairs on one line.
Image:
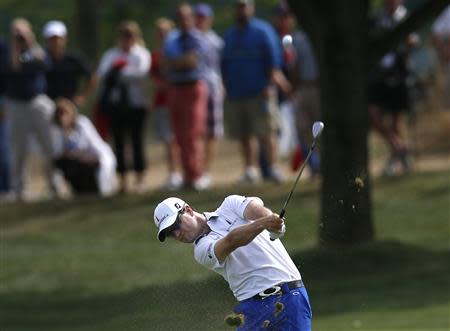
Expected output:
{"points": [[54, 29], [166, 214]]}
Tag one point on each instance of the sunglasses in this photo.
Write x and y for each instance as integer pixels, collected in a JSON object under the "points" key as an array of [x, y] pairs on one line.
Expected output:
{"points": [[176, 225]]}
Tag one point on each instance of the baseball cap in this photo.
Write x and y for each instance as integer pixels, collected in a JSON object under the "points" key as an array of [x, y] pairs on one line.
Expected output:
{"points": [[203, 9], [166, 213], [282, 8], [54, 29]]}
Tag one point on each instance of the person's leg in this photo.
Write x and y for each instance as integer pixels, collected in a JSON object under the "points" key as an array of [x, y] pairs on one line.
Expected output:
{"points": [[197, 131], [41, 115], [291, 311], [137, 125], [188, 111], [377, 120], [4, 155], [118, 128], [18, 137], [81, 176], [87, 178], [251, 146], [295, 313], [266, 119], [214, 130]]}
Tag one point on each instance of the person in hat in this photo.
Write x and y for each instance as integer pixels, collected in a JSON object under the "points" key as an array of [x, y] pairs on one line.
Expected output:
{"points": [[300, 66], [204, 18], [67, 71], [234, 241]]}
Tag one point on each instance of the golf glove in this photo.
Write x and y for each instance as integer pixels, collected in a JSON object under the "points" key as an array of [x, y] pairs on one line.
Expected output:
{"points": [[277, 235]]}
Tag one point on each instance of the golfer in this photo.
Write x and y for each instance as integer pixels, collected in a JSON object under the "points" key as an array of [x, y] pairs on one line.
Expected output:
{"points": [[234, 241]]}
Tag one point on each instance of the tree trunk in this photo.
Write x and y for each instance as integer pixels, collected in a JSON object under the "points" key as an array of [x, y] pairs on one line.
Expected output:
{"points": [[86, 19], [339, 33], [346, 215]]}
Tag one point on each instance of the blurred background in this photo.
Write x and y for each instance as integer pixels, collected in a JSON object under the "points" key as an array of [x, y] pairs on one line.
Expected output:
{"points": [[368, 225]]}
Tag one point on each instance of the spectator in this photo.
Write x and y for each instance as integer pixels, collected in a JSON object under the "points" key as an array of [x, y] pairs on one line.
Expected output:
{"points": [[204, 17], [66, 70], [185, 54], [388, 91], [29, 109], [4, 142], [160, 107], [123, 70], [441, 40], [302, 70], [86, 161], [251, 68]]}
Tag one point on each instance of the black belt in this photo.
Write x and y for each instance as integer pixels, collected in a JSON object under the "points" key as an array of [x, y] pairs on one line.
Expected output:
{"points": [[278, 289]]}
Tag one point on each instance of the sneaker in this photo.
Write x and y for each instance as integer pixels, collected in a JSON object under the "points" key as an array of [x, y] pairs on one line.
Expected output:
{"points": [[201, 183], [275, 176], [174, 182], [250, 176], [405, 161], [391, 168]]}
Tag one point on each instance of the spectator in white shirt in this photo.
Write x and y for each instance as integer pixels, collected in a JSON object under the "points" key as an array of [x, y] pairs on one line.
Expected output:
{"points": [[123, 71], [86, 161]]}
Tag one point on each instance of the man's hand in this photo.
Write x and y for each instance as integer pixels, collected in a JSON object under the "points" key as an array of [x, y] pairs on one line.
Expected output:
{"points": [[279, 234], [272, 223]]}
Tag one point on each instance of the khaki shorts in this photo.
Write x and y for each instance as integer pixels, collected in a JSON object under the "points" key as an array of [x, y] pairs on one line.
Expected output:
{"points": [[252, 117]]}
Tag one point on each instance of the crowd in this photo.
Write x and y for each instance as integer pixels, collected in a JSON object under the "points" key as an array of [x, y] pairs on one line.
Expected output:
{"points": [[268, 85]]}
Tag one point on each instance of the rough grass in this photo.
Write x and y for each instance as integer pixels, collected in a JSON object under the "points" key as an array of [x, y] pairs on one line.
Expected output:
{"points": [[92, 264]]}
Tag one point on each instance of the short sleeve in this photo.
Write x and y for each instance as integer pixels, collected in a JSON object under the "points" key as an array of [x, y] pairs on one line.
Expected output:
{"points": [[204, 252], [238, 203]]}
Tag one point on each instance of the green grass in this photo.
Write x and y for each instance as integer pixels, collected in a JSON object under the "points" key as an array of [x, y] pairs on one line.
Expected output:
{"points": [[92, 264]]}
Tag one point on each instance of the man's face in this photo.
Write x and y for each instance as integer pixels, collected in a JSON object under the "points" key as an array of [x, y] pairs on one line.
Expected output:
{"points": [[284, 22], [56, 44], [185, 18], [244, 12], [203, 22], [186, 228], [126, 40]]}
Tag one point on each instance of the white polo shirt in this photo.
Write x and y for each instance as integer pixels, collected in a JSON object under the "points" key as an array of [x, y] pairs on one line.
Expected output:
{"points": [[249, 269]]}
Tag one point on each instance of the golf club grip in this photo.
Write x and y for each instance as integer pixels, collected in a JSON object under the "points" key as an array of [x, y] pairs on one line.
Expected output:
{"points": [[273, 235]]}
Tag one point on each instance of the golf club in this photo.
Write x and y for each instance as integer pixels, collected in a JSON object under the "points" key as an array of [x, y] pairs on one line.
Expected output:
{"points": [[317, 129]]}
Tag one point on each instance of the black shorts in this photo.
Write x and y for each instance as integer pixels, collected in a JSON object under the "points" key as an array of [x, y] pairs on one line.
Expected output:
{"points": [[389, 98]]}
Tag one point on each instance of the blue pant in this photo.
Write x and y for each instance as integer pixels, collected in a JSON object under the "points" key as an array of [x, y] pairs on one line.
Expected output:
{"points": [[293, 314]]}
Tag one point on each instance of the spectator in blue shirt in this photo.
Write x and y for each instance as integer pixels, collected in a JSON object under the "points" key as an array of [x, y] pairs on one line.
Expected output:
{"points": [[251, 69]]}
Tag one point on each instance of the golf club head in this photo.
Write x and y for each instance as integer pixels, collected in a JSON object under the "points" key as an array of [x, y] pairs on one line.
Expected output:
{"points": [[317, 129], [287, 40]]}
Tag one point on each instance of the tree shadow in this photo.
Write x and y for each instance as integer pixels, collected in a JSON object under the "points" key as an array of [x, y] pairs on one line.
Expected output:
{"points": [[388, 275]]}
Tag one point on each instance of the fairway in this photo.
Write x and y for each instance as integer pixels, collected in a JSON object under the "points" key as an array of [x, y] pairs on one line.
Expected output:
{"points": [[95, 264]]}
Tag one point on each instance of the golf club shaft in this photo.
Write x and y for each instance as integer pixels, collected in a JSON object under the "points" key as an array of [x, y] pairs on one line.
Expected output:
{"points": [[283, 210], [316, 132]]}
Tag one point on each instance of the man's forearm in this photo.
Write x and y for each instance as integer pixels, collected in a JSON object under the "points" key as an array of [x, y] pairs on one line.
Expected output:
{"points": [[244, 234]]}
